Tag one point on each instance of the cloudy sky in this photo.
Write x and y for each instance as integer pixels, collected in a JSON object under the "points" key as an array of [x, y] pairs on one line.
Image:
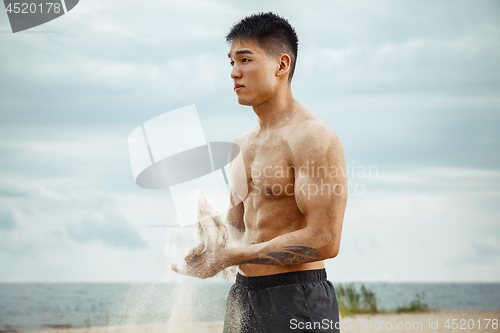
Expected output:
{"points": [[411, 87]]}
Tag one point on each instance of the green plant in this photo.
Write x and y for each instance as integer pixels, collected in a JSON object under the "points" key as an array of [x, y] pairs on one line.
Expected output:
{"points": [[416, 305], [87, 322], [351, 300]]}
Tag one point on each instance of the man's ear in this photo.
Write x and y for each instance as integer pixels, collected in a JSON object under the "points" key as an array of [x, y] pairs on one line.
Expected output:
{"points": [[284, 65]]}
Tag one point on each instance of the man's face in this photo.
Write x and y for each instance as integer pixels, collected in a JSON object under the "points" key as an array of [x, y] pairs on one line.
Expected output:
{"points": [[253, 72]]}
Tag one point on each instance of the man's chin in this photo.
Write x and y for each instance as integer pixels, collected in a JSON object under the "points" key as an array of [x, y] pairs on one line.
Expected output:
{"points": [[243, 101]]}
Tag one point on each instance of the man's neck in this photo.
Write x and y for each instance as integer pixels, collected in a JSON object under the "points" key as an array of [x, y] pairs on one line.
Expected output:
{"points": [[276, 111]]}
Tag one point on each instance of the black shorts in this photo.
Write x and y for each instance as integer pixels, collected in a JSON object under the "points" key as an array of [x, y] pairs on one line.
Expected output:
{"points": [[302, 301]]}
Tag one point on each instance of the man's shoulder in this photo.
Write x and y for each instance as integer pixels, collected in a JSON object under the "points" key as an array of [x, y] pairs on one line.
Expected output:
{"points": [[315, 141], [312, 133], [242, 138]]}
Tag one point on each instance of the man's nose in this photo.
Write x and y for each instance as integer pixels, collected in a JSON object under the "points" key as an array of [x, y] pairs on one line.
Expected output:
{"points": [[235, 72]]}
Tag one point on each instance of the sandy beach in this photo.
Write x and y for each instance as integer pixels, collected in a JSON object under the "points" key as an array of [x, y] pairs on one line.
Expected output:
{"points": [[466, 321]]}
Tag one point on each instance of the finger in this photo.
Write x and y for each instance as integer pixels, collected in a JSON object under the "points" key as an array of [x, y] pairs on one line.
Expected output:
{"points": [[181, 269], [189, 257], [185, 270], [191, 260], [199, 249], [192, 251], [190, 254]]}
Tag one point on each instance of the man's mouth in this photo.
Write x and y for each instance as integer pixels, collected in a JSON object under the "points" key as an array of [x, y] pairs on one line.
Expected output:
{"points": [[237, 87]]}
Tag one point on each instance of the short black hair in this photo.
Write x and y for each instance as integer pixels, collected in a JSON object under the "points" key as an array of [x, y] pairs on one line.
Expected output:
{"points": [[272, 32]]}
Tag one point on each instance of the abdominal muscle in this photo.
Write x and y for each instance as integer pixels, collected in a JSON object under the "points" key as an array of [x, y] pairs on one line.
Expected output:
{"points": [[260, 270], [267, 217]]}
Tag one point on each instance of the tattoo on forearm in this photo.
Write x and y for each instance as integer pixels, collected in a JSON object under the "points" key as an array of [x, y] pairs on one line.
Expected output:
{"points": [[292, 255]]}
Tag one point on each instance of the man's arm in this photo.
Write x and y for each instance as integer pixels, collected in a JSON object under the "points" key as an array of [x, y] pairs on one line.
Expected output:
{"points": [[321, 195]]}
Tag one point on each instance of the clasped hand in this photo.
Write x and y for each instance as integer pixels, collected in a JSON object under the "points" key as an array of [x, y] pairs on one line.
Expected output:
{"points": [[201, 263]]}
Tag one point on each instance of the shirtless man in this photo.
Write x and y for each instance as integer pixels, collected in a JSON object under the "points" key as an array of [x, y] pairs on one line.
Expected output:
{"points": [[288, 214]]}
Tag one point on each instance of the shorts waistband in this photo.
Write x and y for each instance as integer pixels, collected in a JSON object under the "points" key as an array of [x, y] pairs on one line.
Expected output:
{"points": [[282, 279]]}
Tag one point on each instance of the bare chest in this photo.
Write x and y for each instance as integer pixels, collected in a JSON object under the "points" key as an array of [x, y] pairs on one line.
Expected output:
{"points": [[267, 167]]}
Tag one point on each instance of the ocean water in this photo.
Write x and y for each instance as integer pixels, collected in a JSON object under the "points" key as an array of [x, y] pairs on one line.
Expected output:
{"points": [[439, 296], [39, 306]]}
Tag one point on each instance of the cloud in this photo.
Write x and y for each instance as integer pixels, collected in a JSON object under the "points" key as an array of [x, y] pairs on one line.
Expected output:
{"points": [[409, 88], [486, 249], [11, 191], [107, 227], [7, 220], [435, 179]]}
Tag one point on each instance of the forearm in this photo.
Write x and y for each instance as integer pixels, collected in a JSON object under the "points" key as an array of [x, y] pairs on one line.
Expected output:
{"points": [[301, 246]]}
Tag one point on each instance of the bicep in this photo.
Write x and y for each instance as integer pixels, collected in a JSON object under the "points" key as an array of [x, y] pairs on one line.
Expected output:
{"points": [[321, 184]]}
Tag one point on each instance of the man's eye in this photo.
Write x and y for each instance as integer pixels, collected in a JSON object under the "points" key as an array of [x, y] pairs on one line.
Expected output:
{"points": [[245, 60], [232, 63]]}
